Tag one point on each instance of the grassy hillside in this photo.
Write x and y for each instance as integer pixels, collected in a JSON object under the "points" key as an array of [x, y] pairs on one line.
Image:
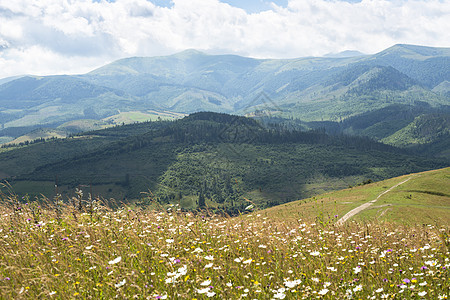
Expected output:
{"points": [[425, 198], [141, 116]]}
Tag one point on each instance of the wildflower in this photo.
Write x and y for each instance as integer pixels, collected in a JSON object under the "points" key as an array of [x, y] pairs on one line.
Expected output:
{"points": [[209, 265], [169, 241], [239, 259], [357, 288], [182, 270], [206, 283], [247, 261], [115, 261], [52, 293], [229, 284], [209, 257], [197, 250], [210, 294], [421, 294], [120, 284], [292, 284], [431, 262], [379, 290], [406, 280], [315, 253], [203, 291], [423, 283], [170, 280], [170, 274], [249, 207], [89, 247], [279, 295], [323, 291], [357, 269]]}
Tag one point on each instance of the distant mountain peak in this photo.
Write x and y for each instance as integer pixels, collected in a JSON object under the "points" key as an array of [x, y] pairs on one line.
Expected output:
{"points": [[191, 51], [414, 50], [188, 53], [345, 54]]}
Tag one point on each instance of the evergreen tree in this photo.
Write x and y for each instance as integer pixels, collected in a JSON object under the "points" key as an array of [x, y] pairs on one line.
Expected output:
{"points": [[201, 199]]}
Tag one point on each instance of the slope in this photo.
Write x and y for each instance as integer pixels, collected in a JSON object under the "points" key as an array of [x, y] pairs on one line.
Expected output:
{"points": [[410, 199]]}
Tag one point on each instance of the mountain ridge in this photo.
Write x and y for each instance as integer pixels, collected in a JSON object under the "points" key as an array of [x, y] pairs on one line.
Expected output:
{"points": [[308, 88]]}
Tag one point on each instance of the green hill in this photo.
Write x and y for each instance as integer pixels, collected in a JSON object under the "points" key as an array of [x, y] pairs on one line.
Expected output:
{"points": [[424, 198], [424, 129]]}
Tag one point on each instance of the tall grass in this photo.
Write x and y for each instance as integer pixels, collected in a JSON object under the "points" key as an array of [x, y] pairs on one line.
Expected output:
{"points": [[81, 249]]}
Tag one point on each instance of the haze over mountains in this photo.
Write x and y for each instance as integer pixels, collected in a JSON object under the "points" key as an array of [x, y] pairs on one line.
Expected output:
{"points": [[407, 78]]}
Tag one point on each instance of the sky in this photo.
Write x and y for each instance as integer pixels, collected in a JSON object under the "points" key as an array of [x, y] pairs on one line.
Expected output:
{"points": [[45, 37]]}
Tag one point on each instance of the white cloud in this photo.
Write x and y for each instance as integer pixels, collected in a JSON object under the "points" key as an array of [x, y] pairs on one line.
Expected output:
{"points": [[72, 36]]}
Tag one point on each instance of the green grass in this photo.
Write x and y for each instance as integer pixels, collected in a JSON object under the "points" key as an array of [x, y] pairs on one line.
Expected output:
{"points": [[425, 198], [142, 116]]}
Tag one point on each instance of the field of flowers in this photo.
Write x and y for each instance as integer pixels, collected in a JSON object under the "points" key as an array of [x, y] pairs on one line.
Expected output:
{"points": [[63, 252]]}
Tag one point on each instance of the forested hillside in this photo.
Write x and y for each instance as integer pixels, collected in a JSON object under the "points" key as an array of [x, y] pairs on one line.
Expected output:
{"points": [[206, 159]]}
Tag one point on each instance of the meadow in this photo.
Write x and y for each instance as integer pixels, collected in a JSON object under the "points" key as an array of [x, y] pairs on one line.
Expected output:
{"points": [[51, 249]]}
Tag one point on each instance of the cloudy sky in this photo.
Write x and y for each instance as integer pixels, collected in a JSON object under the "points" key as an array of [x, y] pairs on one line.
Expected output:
{"points": [[44, 37]]}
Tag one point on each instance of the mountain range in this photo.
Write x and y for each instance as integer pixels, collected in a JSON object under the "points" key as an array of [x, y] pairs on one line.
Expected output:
{"points": [[413, 80]]}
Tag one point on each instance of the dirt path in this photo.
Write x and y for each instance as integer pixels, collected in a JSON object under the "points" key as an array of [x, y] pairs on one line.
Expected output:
{"points": [[366, 205]]}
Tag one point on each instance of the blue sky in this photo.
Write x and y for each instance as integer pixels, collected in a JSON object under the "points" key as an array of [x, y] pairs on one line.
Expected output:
{"points": [[250, 6], [75, 36], [255, 6]]}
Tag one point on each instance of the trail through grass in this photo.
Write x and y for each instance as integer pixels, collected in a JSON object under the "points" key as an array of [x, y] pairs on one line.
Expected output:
{"points": [[367, 204]]}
